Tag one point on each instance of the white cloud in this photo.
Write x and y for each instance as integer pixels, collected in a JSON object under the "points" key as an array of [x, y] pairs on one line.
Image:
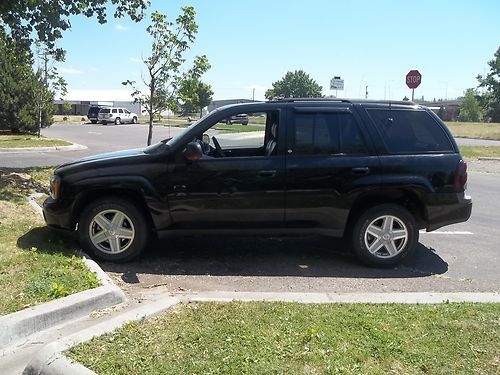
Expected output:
{"points": [[135, 60], [70, 70], [120, 27]]}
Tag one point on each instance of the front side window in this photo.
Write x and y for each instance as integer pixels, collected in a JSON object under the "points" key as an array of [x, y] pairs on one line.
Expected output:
{"points": [[410, 131], [327, 133], [120, 110]]}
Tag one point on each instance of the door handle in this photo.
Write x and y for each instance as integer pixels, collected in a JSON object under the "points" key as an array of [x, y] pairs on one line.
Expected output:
{"points": [[360, 171], [267, 173]]}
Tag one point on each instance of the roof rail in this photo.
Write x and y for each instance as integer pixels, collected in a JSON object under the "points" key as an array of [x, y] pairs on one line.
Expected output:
{"points": [[291, 100]]}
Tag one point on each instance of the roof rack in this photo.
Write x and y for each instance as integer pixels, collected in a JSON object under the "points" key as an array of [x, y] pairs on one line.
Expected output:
{"points": [[288, 100], [339, 100]]}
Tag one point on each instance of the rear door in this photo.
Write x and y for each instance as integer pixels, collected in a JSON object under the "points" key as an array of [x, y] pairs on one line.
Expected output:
{"points": [[330, 161]]}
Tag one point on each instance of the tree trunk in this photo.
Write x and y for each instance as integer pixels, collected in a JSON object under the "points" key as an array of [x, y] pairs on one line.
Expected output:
{"points": [[150, 132], [201, 112]]}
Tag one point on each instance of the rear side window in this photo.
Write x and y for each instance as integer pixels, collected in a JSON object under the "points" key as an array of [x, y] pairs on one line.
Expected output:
{"points": [[327, 133], [410, 132], [105, 110], [114, 110]]}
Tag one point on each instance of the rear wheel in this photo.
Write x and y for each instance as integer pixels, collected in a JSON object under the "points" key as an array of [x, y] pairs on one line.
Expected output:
{"points": [[93, 121], [384, 235], [118, 121], [113, 229], [134, 120]]}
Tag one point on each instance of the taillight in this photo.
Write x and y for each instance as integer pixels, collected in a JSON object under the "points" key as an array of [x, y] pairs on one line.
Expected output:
{"points": [[461, 176]]}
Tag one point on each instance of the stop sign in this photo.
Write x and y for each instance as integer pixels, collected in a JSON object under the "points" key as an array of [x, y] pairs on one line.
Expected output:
{"points": [[413, 79]]}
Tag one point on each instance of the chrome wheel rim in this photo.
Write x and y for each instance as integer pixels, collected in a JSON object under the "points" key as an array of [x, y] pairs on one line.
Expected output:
{"points": [[386, 236], [111, 231]]}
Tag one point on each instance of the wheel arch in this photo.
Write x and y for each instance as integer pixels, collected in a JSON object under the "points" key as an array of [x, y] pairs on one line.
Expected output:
{"points": [[130, 195], [406, 198]]}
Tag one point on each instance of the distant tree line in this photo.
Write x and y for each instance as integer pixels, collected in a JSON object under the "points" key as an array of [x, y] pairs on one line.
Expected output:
{"points": [[484, 106]]}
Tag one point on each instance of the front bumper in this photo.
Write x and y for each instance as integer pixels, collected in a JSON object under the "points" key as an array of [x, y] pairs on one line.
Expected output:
{"points": [[57, 214], [446, 214]]}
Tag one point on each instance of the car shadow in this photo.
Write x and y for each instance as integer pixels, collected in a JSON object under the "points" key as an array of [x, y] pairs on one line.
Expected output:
{"points": [[308, 256], [48, 240]]}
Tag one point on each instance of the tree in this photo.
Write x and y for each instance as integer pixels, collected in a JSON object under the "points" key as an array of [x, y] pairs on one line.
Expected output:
{"points": [[26, 102], [170, 42], [295, 84], [27, 20], [194, 95], [491, 99], [470, 110]]}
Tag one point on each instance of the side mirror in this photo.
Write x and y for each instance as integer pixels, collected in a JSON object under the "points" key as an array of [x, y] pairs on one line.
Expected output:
{"points": [[193, 151]]}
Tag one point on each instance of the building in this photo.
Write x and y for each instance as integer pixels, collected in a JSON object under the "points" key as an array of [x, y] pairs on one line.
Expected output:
{"points": [[447, 110], [220, 103], [81, 107]]}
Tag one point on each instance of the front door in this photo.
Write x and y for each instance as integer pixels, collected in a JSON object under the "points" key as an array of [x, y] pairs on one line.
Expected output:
{"points": [[238, 183]]}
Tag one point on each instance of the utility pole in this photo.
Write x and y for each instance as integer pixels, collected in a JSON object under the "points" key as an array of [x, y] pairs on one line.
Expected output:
{"points": [[366, 92], [253, 94]]}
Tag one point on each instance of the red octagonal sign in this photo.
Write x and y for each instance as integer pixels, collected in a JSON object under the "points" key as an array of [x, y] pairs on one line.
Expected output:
{"points": [[413, 79]]}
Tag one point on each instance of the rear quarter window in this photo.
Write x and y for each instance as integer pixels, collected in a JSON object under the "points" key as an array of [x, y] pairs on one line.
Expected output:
{"points": [[410, 131]]}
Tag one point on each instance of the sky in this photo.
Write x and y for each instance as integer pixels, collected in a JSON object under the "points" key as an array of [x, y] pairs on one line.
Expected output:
{"points": [[251, 44]]}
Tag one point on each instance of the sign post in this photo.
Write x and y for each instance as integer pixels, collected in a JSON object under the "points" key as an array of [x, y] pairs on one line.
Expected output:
{"points": [[413, 80]]}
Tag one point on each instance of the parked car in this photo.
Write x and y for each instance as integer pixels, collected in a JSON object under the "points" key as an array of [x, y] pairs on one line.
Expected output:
{"points": [[116, 116], [93, 112], [239, 118], [374, 172]]}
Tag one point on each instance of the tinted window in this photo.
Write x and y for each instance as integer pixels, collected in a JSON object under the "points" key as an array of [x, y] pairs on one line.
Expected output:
{"points": [[327, 133], [114, 110], [406, 131], [120, 110], [105, 110]]}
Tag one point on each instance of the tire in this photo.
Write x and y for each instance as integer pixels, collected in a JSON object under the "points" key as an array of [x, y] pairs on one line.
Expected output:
{"points": [[118, 242], [93, 121], [386, 251], [134, 120], [118, 121], [228, 122], [105, 123]]}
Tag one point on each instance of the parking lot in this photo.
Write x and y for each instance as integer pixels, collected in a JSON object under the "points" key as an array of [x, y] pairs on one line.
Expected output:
{"points": [[462, 257]]}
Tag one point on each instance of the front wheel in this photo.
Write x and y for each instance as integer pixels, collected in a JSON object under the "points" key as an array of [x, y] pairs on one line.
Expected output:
{"points": [[118, 121], [113, 229], [384, 235], [134, 120]]}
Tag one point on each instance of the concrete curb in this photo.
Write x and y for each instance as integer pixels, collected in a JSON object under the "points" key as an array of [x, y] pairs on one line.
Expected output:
{"points": [[51, 360], [409, 298], [18, 326], [17, 150]]}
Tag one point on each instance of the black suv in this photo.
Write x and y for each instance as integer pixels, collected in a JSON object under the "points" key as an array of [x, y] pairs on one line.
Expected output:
{"points": [[375, 172], [93, 112]]}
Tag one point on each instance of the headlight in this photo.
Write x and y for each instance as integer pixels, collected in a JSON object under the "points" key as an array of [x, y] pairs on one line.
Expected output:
{"points": [[55, 186]]}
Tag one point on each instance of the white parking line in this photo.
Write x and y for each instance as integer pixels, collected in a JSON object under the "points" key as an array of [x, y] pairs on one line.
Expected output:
{"points": [[445, 232]]}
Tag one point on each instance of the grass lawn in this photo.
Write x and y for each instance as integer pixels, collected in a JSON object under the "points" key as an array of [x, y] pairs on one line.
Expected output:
{"points": [[287, 338], [36, 265], [26, 140], [480, 151], [238, 128], [475, 130]]}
